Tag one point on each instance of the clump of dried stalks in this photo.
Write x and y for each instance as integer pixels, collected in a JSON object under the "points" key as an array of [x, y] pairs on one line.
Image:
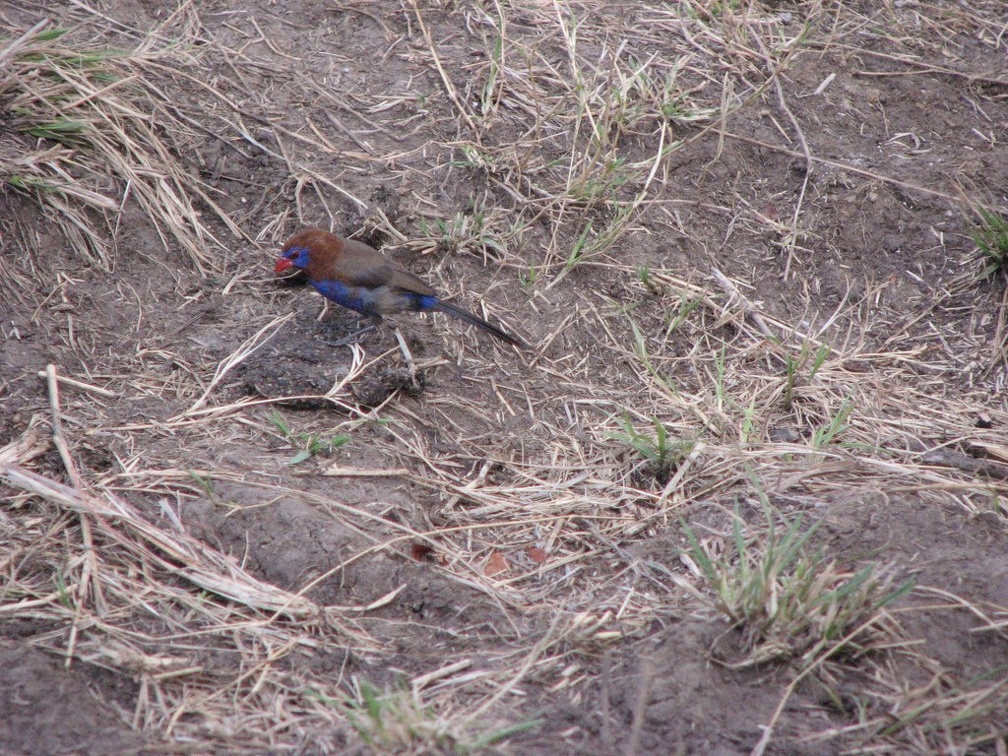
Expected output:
{"points": [[85, 139]]}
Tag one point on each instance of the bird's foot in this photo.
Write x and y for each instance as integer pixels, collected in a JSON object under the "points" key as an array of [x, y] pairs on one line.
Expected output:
{"points": [[353, 337]]}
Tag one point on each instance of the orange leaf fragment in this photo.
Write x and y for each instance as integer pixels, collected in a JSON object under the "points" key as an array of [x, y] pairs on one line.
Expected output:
{"points": [[536, 554], [495, 565]]}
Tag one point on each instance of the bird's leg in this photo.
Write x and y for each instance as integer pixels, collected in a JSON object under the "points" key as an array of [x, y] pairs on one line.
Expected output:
{"points": [[353, 337]]}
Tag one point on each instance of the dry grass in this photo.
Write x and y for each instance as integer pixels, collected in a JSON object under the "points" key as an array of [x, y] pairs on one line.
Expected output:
{"points": [[658, 396], [86, 138]]}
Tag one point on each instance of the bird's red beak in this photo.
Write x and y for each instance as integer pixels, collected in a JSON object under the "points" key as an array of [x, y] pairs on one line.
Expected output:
{"points": [[282, 266]]}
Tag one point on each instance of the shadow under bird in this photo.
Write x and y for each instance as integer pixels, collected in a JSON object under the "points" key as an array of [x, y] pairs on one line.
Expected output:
{"points": [[360, 277]]}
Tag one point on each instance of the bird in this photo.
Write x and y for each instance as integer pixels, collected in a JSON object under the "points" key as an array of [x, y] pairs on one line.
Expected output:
{"points": [[358, 276]]}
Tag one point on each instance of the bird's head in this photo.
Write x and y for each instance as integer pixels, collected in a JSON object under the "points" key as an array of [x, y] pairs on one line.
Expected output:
{"points": [[292, 256], [307, 246]]}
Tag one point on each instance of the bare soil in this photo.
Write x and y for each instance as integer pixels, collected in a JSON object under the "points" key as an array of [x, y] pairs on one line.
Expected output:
{"points": [[812, 189]]}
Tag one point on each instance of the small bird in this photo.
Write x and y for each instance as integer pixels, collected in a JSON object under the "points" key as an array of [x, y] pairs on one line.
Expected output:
{"points": [[360, 277]]}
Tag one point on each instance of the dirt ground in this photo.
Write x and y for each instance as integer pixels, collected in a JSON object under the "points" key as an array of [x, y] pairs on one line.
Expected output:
{"points": [[752, 225]]}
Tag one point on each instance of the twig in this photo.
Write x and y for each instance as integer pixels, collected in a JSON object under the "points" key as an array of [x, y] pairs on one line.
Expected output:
{"points": [[79, 384], [90, 568]]}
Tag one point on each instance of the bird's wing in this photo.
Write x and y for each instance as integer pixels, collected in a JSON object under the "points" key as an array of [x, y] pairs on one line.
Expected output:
{"points": [[361, 265], [403, 279], [365, 266]]}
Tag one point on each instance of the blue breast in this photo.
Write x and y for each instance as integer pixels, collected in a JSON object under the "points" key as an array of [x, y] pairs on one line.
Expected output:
{"points": [[358, 298]]}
